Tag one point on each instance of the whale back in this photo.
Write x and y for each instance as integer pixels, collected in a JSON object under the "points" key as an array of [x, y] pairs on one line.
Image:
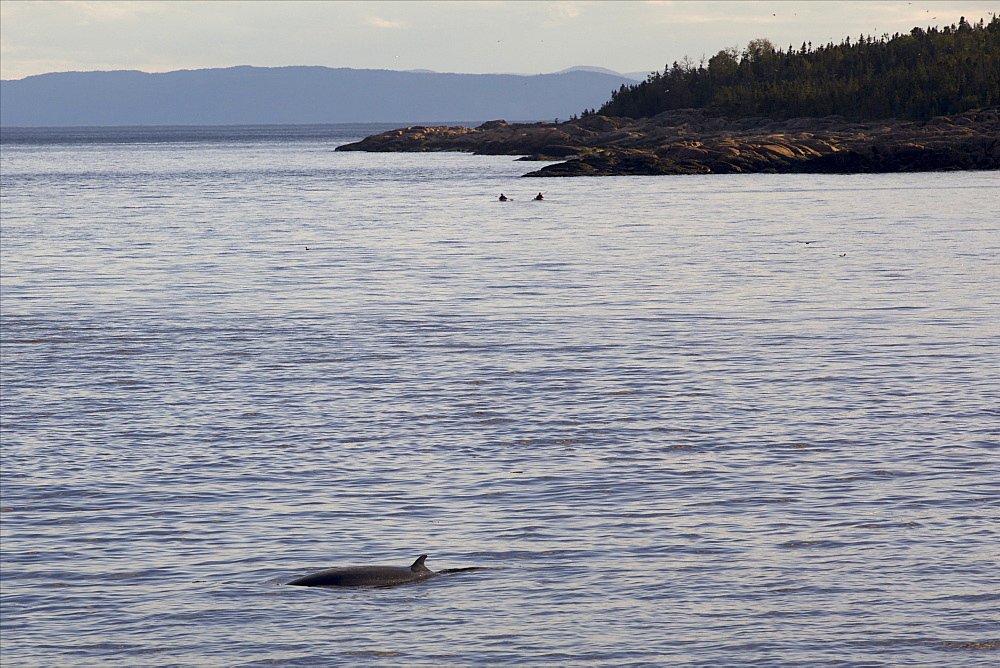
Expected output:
{"points": [[367, 576]]}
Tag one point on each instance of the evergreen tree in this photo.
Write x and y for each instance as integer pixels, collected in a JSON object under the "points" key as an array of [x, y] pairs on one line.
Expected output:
{"points": [[917, 75]]}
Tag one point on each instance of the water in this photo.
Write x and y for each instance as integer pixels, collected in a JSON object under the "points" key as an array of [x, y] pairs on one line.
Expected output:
{"points": [[676, 433]]}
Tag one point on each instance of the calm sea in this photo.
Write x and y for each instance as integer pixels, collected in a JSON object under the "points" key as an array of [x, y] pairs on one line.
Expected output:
{"points": [[695, 420]]}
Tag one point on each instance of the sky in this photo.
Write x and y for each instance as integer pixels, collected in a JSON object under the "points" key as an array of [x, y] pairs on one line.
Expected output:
{"points": [[524, 37]]}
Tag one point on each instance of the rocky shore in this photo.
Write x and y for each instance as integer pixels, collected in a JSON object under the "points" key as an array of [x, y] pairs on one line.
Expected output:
{"points": [[691, 141]]}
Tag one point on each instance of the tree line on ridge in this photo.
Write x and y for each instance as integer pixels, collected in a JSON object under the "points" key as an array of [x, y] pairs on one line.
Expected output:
{"points": [[916, 76]]}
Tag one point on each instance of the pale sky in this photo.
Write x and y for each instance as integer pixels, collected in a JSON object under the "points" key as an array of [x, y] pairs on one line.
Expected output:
{"points": [[38, 36]]}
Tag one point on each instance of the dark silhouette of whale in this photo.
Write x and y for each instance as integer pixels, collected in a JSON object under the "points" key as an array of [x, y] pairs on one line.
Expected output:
{"points": [[373, 576]]}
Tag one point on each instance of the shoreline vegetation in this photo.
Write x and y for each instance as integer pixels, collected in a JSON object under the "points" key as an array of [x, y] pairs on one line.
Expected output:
{"points": [[924, 101]]}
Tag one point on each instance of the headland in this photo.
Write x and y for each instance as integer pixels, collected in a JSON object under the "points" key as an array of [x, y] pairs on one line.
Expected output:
{"points": [[693, 141]]}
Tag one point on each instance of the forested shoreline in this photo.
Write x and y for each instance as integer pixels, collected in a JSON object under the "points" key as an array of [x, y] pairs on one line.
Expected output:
{"points": [[923, 101], [916, 76]]}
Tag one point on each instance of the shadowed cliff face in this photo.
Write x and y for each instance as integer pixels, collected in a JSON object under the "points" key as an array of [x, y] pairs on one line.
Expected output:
{"points": [[692, 142]]}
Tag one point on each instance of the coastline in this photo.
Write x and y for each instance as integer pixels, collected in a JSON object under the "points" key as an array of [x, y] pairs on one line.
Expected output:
{"points": [[692, 141]]}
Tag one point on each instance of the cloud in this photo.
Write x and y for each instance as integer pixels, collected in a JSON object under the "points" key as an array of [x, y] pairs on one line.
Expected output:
{"points": [[103, 10], [564, 10], [379, 22]]}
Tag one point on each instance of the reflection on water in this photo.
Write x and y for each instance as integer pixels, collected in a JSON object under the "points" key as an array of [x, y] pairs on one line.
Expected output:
{"points": [[679, 433]]}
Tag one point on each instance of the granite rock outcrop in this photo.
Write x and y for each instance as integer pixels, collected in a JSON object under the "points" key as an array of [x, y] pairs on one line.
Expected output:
{"points": [[692, 141]]}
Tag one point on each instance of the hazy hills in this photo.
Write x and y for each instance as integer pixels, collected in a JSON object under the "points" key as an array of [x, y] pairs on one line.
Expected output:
{"points": [[293, 95]]}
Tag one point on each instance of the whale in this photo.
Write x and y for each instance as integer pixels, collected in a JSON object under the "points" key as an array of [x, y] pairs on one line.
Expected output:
{"points": [[377, 576], [371, 576]]}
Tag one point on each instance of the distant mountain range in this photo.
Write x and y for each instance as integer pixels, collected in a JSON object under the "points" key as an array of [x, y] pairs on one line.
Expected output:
{"points": [[635, 76], [298, 95]]}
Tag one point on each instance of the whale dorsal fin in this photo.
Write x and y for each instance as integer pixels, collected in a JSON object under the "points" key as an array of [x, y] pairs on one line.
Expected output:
{"points": [[418, 565]]}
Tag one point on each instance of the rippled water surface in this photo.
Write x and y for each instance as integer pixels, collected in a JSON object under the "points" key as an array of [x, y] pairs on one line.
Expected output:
{"points": [[720, 420]]}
